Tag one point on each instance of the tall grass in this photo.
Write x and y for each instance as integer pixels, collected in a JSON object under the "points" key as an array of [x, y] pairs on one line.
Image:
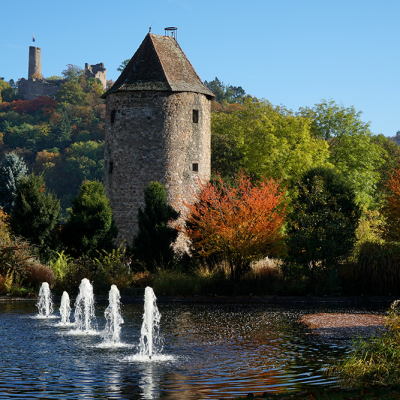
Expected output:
{"points": [[373, 361], [262, 279], [377, 268]]}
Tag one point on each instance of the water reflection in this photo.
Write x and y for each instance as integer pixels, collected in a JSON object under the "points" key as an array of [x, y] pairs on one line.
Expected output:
{"points": [[211, 351]]}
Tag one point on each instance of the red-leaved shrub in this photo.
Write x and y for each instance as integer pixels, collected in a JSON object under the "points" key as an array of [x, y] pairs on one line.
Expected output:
{"points": [[39, 273]]}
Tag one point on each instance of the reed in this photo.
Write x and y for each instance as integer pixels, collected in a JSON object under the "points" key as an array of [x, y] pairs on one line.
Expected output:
{"points": [[263, 278], [373, 361]]}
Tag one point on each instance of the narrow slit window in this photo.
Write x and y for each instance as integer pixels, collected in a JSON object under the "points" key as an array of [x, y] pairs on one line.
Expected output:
{"points": [[195, 116], [110, 167], [112, 117], [195, 167]]}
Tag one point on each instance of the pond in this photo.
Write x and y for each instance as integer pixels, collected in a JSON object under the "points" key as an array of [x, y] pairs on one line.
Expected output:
{"points": [[211, 351]]}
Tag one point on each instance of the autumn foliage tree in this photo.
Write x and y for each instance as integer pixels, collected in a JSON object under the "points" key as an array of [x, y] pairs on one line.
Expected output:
{"points": [[242, 223], [391, 208]]}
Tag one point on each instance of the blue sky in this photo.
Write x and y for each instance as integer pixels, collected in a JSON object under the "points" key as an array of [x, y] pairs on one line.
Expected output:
{"points": [[290, 52]]}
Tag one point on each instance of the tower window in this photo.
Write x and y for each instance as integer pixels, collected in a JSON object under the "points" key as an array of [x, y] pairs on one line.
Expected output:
{"points": [[195, 116], [110, 167], [195, 167], [112, 116]]}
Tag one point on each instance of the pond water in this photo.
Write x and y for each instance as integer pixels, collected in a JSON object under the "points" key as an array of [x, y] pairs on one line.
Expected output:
{"points": [[210, 352]]}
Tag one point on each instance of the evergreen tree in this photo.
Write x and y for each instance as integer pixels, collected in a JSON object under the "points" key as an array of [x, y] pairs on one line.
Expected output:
{"points": [[90, 226], [35, 214], [322, 226], [152, 244], [12, 168], [62, 132]]}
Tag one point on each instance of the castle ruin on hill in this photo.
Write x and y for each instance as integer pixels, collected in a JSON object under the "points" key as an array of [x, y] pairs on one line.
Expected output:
{"points": [[157, 129], [36, 85]]}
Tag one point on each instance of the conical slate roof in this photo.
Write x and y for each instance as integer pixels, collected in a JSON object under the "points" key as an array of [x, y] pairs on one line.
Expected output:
{"points": [[159, 64]]}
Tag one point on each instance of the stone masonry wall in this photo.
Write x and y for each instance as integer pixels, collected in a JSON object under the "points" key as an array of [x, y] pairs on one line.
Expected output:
{"points": [[97, 71], [35, 62], [153, 137], [32, 88]]}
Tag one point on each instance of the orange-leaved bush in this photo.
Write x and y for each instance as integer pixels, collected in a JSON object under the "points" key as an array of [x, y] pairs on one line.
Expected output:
{"points": [[241, 223], [391, 208]]}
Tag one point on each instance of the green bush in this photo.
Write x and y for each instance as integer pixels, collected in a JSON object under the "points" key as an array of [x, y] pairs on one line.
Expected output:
{"points": [[373, 361], [76, 271], [59, 265]]}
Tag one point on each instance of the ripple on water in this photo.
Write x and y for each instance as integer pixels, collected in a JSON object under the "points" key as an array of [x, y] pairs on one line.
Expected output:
{"points": [[210, 351]]}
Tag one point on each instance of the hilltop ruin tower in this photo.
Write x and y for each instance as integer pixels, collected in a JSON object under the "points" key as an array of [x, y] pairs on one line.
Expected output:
{"points": [[35, 62], [158, 128]]}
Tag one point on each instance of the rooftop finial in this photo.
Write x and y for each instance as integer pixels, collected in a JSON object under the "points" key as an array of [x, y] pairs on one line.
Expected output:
{"points": [[173, 30]]}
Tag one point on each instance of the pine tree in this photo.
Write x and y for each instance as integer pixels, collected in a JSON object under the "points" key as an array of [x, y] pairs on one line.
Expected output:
{"points": [[35, 214], [152, 244], [90, 227], [12, 168]]}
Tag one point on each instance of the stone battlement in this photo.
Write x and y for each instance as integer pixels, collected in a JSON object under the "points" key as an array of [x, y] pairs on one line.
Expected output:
{"points": [[97, 71]]}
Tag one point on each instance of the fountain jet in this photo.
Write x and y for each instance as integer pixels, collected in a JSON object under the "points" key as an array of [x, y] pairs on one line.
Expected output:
{"points": [[65, 308], [113, 317], [150, 328], [84, 307], [45, 302]]}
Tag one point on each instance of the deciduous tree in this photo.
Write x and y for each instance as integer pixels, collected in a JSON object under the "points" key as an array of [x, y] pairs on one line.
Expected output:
{"points": [[265, 140], [242, 223], [321, 229], [226, 93], [391, 207], [351, 148]]}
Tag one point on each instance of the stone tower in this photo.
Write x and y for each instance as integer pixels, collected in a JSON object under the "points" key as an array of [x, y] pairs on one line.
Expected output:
{"points": [[158, 128], [35, 62]]}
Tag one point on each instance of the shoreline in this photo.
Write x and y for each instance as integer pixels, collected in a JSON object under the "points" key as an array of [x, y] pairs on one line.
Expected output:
{"points": [[214, 299]]}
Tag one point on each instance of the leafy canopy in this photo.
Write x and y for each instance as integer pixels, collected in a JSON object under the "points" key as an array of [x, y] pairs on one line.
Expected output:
{"points": [[242, 223], [226, 93], [391, 207], [265, 140], [351, 148], [321, 229]]}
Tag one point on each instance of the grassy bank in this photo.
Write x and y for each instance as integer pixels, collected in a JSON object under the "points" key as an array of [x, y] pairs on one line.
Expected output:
{"points": [[331, 394]]}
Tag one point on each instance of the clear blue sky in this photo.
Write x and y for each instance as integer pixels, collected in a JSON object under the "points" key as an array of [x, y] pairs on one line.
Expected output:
{"points": [[291, 52]]}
